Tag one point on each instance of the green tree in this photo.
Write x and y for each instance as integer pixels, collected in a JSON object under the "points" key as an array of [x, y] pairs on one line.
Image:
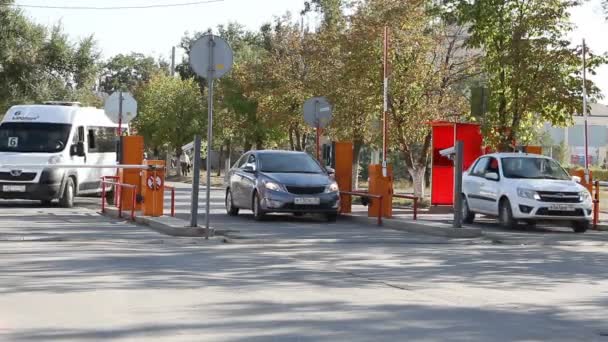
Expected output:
{"points": [[170, 112], [532, 71], [127, 72]]}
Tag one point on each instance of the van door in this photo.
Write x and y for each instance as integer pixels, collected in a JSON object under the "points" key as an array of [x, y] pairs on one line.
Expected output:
{"points": [[79, 136]]}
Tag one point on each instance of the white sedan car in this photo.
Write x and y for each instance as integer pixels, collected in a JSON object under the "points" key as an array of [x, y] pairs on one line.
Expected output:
{"points": [[524, 187]]}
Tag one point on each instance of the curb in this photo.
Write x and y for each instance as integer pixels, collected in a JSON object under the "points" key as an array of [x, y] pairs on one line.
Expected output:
{"points": [[434, 229], [166, 225]]}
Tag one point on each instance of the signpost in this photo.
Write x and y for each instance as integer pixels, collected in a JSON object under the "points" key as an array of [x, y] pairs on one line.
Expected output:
{"points": [[317, 113], [121, 108], [210, 57]]}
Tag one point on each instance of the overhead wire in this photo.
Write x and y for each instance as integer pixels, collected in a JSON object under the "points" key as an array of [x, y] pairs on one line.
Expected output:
{"points": [[183, 4]]}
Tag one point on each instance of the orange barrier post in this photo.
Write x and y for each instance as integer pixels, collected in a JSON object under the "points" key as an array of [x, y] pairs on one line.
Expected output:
{"points": [[343, 162], [381, 186], [596, 205], [153, 188], [132, 152]]}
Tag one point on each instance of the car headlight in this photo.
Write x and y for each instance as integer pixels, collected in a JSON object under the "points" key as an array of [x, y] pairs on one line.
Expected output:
{"points": [[55, 160], [527, 193], [333, 187], [273, 186], [584, 196]]}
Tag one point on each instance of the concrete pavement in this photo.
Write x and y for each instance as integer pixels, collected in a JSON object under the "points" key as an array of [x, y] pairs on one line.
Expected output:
{"points": [[98, 279]]}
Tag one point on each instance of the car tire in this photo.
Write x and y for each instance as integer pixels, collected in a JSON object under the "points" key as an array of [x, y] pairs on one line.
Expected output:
{"points": [[258, 213], [580, 226], [69, 191], [467, 215], [230, 208], [332, 217], [505, 215]]}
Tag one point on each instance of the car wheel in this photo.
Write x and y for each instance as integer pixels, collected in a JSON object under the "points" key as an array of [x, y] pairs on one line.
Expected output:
{"points": [[580, 226], [332, 217], [467, 215], [505, 215], [67, 199], [258, 213], [230, 208]]}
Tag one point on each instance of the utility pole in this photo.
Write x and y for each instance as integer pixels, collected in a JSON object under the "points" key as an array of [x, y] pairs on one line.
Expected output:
{"points": [[173, 61], [385, 109], [585, 112]]}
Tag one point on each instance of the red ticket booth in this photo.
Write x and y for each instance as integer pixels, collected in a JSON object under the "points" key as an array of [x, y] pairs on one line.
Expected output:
{"points": [[445, 135]]}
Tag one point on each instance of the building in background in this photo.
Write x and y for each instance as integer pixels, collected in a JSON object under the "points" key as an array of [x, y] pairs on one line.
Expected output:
{"points": [[573, 138]]}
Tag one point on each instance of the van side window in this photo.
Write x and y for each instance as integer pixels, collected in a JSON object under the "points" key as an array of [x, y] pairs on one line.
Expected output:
{"points": [[91, 139], [78, 135], [102, 139]]}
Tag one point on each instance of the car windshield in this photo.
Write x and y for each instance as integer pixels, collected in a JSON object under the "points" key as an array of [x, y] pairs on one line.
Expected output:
{"points": [[288, 163], [533, 168], [33, 137]]}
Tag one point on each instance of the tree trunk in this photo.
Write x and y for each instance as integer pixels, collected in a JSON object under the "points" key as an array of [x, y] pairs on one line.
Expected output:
{"points": [[291, 143], [357, 145], [417, 172], [247, 146], [259, 145], [178, 153], [220, 160]]}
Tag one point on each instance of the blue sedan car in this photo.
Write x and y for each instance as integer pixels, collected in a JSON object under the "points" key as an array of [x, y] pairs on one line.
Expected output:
{"points": [[281, 181]]}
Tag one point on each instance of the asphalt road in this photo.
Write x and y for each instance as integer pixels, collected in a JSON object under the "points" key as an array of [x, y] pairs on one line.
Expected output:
{"points": [[71, 275]]}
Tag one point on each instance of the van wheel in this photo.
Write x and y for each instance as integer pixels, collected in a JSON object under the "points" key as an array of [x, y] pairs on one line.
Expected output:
{"points": [[580, 226], [467, 215], [505, 215], [67, 199], [110, 197]]}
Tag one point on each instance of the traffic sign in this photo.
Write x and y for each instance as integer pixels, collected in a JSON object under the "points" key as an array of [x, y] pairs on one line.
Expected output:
{"points": [[211, 54], [113, 110], [317, 112], [154, 183], [210, 57]]}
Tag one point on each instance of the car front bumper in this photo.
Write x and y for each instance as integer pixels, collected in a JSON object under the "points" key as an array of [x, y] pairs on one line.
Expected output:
{"points": [[550, 211], [278, 201]]}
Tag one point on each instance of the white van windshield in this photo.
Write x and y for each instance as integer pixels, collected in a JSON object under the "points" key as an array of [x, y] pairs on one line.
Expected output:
{"points": [[33, 137]]}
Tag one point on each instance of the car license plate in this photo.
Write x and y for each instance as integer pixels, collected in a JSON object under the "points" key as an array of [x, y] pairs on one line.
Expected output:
{"points": [[561, 207], [13, 188], [307, 200]]}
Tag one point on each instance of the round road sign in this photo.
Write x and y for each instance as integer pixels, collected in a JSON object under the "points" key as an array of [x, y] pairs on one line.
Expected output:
{"points": [[317, 112], [129, 107], [211, 54]]}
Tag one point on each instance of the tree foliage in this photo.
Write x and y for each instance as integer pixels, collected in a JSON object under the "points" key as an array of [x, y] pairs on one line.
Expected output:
{"points": [[127, 72], [41, 64], [533, 72], [170, 112]]}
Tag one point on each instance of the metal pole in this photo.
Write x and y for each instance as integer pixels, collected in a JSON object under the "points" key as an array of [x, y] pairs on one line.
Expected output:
{"points": [[120, 99], [210, 75], [196, 182], [385, 96], [585, 112], [317, 138], [458, 185], [173, 61]]}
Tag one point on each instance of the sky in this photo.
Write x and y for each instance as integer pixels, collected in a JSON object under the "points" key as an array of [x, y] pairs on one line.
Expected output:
{"points": [[155, 31]]}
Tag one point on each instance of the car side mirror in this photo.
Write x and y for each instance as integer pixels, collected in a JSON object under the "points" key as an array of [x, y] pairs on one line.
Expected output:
{"points": [[576, 179], [493, 176], [77, 149], [249, 168]]}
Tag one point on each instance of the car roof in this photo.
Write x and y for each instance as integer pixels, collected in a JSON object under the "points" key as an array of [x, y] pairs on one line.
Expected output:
{"points": [[277, 152], [515, 154]]}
